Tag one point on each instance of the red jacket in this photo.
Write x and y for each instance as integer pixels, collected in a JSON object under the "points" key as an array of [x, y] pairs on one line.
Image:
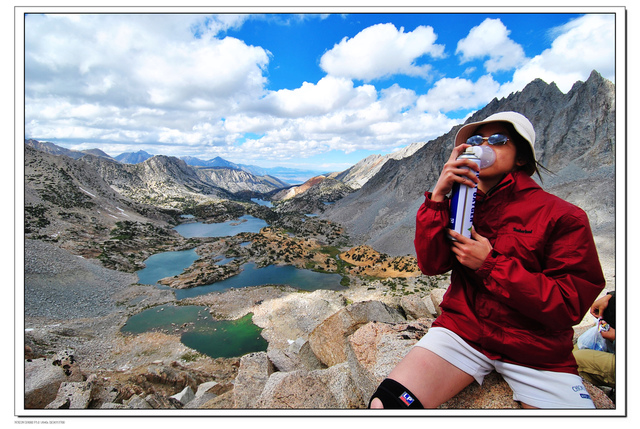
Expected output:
{"points": [[540, 279]]}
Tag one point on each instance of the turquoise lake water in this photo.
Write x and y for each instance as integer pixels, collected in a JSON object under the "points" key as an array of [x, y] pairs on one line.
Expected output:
{"points": [[223, 338]]}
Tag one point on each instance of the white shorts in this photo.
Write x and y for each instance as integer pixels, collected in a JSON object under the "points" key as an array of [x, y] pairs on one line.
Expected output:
{"points": [[541, 389]]}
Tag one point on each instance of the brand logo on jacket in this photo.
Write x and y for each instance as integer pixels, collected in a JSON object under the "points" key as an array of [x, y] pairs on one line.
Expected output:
{"points": [[523, 231]]}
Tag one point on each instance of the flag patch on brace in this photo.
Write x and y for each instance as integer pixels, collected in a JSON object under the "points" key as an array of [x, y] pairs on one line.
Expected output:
{"points": [[406, 398]]}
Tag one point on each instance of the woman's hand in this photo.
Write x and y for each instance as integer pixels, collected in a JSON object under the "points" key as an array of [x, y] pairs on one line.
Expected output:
{"points": [[600, 304], [471, 252], [453, 171], [609, 335]]}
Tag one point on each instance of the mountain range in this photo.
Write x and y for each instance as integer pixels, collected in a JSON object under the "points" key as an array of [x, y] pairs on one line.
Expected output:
{"points": [[287, 175], [54, 149], [164, 180]]}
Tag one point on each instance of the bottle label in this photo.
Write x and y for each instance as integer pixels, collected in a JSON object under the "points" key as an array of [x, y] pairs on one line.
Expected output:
{"points": [[463, 203]]}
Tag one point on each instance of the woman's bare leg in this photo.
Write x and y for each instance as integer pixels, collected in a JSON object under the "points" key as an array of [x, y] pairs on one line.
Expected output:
{"points": [[429, 377]]}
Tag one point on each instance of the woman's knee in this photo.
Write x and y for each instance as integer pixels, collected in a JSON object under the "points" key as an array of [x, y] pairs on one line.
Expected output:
{"points": [[376, 403], [393, 395], [424, 378]]}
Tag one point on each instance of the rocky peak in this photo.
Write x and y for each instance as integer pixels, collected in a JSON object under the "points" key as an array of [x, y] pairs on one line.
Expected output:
{"points": [[162, 165]]}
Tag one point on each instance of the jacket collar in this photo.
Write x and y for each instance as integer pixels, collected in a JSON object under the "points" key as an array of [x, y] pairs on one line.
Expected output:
{"points": [[515, 181]]}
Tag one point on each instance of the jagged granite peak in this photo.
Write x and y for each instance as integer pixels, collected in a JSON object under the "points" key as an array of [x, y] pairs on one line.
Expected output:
{"points": [[575, 138], [161, 165]]}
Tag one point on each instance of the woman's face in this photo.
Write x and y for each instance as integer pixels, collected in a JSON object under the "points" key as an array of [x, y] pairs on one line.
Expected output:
{"points": [[506, 155]]}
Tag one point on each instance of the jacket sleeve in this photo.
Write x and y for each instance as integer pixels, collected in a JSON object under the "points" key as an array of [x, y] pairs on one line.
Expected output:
{"points": [[570, 281], [432, 244]]}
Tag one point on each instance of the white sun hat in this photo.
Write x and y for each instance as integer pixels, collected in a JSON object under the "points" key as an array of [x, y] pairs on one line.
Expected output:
{"points": [[519, 122]]}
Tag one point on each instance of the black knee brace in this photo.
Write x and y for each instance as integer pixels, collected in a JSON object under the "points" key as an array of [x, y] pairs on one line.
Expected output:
{"points": [[395, 396]]}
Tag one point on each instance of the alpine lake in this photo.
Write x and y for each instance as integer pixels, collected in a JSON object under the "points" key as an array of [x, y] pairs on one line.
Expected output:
{"points": [[198, 330]]}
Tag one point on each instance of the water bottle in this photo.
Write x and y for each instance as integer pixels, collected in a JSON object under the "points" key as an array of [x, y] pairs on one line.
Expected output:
{"points": [[463, 199]]}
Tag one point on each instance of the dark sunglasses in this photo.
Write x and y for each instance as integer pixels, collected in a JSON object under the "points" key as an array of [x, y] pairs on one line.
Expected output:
{"points": [[496, 139]]}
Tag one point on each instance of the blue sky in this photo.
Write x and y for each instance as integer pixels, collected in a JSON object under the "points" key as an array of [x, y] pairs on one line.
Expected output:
{"points": [[311, 91]]}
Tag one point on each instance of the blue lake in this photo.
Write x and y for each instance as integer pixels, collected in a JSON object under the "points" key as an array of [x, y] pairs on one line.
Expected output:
{"points": [[272, 274], [229, 228], [166, 264], [262, 202], [170, 264]]}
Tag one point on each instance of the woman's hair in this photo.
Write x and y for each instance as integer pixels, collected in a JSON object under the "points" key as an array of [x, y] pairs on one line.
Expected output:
{"points": [[524, 153]]}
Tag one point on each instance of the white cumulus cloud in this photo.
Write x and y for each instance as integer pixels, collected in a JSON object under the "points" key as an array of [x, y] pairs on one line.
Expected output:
{"points": [[329, 94], [451, 94], [132, 65], [491, 39], [382, 50]]}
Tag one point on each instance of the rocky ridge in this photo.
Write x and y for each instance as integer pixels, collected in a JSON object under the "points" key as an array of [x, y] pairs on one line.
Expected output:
{"points": [[234, 180], [160, 180], [54, 149], [356, 176]]}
